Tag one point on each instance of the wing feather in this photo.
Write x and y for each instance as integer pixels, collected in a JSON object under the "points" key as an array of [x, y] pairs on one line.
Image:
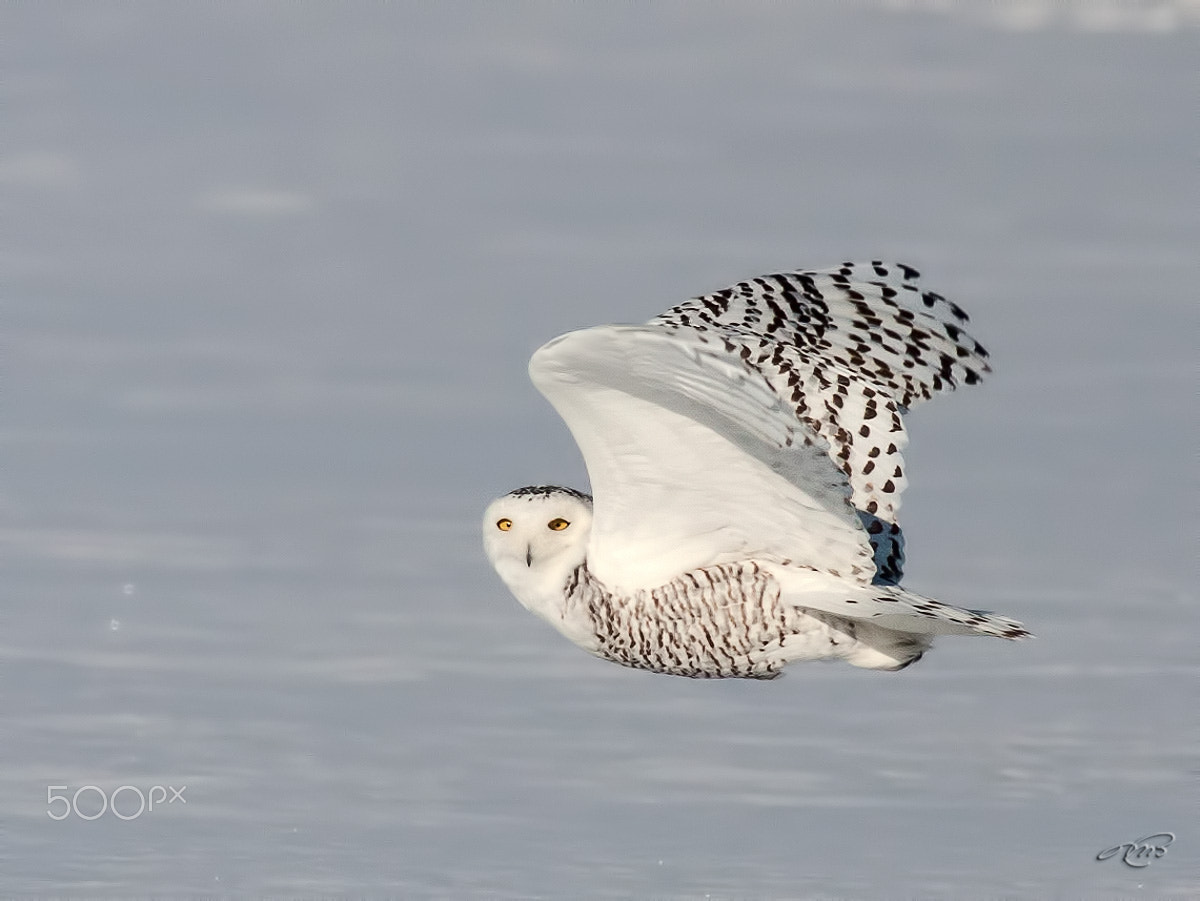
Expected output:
{"points": [[850, 349], [694, 459]]}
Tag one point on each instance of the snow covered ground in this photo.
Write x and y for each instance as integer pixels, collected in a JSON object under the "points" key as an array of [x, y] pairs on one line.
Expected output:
{"points": [[273, 273]]}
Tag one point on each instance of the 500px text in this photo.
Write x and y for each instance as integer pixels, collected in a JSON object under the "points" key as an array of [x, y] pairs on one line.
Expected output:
{"points": [[133, 802]]}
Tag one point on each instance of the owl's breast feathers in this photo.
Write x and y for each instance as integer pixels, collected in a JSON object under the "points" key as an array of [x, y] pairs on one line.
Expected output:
{"points": [[721, 621]]}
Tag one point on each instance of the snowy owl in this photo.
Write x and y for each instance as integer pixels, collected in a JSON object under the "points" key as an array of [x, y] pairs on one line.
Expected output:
{"points": [[744, 450]]}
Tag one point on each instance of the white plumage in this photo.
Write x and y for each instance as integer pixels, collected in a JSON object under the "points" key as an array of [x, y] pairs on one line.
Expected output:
{"points": [[744, 450]]}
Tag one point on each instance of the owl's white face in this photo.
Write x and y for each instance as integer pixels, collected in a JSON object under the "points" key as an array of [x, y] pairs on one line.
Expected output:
{"points": [[535, 537]]}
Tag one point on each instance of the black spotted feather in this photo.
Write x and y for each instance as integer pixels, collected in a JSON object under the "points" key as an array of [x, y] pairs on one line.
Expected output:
{"points": [[851, 348]]}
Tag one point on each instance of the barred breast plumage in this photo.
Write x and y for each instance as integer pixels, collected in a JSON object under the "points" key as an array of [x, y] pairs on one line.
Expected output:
{"points": [[717, 622], [711, 622]]}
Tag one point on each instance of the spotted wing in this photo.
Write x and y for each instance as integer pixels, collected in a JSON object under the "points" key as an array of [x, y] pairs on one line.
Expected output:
{"points": [[850, 350]]}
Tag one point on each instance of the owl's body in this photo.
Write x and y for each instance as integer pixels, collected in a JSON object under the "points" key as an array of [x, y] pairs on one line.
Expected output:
{"points": [[725, 621], [745, 453]]}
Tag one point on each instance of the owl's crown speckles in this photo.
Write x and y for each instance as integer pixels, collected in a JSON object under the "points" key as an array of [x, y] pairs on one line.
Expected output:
{"points": [[545, 491]]}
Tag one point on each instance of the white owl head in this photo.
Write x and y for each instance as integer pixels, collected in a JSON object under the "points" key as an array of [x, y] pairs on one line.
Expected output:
{"points": [[535, 537]]}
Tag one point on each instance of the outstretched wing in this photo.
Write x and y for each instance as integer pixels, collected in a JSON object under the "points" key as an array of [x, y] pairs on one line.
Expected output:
{"points": [[850, 350], [694, 459]]}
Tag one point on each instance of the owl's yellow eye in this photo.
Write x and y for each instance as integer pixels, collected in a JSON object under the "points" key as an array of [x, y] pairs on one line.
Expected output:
{"points": [[557, 524], [504, 524]]}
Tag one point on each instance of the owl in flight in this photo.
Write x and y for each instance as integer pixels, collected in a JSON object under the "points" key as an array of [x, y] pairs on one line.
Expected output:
{"points": [[744, 450]]}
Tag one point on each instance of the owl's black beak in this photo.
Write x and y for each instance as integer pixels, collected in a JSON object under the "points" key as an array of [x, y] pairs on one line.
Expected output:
{"points": [[529, 555]]}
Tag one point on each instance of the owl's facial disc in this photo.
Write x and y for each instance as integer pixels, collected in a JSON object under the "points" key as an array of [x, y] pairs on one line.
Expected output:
{"points": [[537, 529]]}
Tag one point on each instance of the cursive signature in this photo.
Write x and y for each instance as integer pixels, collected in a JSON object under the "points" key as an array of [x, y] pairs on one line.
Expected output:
{"points": [[1142, 852]]}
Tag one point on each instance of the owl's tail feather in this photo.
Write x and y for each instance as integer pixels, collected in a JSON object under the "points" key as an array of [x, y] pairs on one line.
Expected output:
{"points": [[906, 611], [893, 608]]}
